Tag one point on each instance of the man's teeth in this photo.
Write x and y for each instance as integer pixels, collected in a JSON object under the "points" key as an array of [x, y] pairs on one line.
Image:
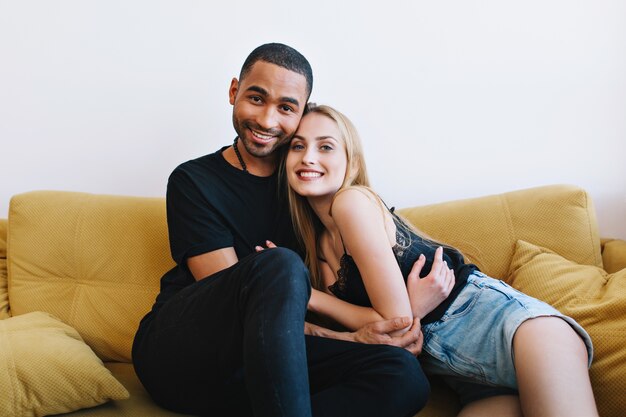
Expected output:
{"points": [[310, 174], [262, 136]]}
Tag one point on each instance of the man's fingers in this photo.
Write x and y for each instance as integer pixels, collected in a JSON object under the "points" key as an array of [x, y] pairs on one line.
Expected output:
{"points": [[388, 326], [414, 348], [411, 335], [416, 324], [415, 345]]}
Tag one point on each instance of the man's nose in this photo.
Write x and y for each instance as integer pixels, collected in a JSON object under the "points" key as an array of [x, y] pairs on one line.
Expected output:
{"points": [[267, 118]]}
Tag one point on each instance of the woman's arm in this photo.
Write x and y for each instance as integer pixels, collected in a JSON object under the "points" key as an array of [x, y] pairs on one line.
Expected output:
{"points": [[361, 223]]}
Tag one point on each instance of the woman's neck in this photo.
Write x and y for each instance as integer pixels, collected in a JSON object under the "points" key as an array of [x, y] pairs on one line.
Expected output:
{"points": [[321, 206]]}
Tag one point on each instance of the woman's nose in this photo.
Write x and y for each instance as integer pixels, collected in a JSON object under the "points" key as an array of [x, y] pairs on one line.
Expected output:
{"points": [[309, 157]]}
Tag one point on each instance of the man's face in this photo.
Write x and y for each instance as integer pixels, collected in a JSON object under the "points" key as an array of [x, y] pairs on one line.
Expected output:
{"points": [[267, 107]]}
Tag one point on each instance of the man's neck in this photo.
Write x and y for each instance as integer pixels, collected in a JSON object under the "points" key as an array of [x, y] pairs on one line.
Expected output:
{"points": [[260, 167]]}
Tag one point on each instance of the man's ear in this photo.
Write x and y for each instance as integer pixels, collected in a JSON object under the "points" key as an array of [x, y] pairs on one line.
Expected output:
{"points": [[232, 91]]}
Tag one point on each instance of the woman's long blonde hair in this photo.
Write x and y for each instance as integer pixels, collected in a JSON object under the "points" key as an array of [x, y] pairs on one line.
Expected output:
{"points": [[307, 225]]}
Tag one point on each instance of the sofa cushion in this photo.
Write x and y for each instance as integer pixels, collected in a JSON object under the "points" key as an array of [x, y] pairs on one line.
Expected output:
{"points": [[94, 261], [596, 299], [46, 368], [558, 217]]}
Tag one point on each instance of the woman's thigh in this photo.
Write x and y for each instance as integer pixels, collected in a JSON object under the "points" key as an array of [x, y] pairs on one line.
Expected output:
{"points": [[474, 338]]}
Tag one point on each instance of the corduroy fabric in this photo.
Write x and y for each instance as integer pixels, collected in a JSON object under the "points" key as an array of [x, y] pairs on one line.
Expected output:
{"points": [[558, 217], [94, 261], [595, 299], [46, 368]]}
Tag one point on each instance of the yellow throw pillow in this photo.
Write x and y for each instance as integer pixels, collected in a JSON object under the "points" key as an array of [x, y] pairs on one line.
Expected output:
{"points": [[596, 299], [46, 368], [614, 254]]}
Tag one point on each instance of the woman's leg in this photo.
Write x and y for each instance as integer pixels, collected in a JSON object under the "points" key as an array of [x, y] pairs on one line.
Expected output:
{"points": [[551, 366], [500, 406]]}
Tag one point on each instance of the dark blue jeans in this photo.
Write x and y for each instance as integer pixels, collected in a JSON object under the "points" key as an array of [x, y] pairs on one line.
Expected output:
{"points": [[232, 344]]}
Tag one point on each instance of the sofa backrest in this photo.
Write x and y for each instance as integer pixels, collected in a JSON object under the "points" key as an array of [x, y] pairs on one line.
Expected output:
{"points": [[4, 294], [558, 217], [95, 261]]}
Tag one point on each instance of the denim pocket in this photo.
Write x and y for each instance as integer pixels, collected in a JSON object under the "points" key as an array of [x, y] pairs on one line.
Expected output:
{"points": [[464, 302], [445, 357]]}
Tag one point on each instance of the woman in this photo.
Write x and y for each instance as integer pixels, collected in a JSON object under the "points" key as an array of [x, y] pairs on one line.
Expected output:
{"points": [[487, 340]]}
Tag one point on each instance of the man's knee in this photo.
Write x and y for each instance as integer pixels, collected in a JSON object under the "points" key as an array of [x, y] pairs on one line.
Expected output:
{"points": [[280, 255], [283, 268]]}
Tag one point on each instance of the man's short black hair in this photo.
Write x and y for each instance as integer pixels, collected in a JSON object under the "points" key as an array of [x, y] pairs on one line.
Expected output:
{"points": [[283, 56]]}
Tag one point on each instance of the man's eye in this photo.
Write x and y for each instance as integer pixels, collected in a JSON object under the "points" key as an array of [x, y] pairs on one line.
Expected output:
{"points": [[256, 99], [287, 108]]}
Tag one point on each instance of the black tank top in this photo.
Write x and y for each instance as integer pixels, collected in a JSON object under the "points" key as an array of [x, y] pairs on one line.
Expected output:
{"points": [[349, 285]]}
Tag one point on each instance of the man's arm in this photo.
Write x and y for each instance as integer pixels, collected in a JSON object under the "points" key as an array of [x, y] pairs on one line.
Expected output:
{"points": [[201, 266], [377, 333]]}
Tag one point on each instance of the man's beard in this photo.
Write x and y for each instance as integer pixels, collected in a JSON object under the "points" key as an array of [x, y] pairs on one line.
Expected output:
{"points": [[256, 149]]}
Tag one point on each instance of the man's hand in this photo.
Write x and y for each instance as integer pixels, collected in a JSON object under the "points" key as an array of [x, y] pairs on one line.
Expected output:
{"points": [[377, 333], [427, 293]]}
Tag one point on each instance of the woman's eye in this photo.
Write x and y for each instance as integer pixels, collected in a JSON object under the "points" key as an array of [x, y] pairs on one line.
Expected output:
{"points": [[297, 147], [326, 148]]}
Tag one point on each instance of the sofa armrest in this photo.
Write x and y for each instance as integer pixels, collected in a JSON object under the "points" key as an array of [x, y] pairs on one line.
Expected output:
{"points": [[613, 254]]}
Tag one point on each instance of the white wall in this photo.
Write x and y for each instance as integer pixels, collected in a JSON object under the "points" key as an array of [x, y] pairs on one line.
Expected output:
{"points": [[454, 99]]}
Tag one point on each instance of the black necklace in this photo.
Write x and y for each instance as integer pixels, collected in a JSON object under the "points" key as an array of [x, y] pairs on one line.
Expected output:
{"points": [[243, 164]]}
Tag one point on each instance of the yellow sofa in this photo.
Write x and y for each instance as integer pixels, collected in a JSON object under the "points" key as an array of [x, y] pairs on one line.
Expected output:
{"points": [[91, 265]]}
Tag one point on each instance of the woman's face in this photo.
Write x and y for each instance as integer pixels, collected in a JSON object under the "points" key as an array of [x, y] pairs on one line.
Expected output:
{"points": [[316, 163]]}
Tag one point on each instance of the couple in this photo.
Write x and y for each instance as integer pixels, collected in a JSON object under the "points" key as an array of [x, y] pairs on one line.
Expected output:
{"points": [[225, 335]]}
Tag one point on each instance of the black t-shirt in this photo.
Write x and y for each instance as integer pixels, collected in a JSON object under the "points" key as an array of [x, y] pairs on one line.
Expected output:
{"points": [[212, 205]]}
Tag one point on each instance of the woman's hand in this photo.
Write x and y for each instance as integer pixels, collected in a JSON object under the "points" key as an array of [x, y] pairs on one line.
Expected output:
{"points": [[269, 245], [427, 293]]}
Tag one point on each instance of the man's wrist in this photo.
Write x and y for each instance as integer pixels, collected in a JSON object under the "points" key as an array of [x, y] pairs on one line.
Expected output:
{"points": [[315, 330]]}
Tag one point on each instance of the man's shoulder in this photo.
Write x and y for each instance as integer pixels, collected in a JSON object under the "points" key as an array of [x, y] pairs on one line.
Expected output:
{"points": [[204, 167], [206, 161]]}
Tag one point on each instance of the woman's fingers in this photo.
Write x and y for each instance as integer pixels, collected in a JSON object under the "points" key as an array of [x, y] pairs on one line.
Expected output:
{"points": [[269, 245], [450, 280], [417, 268], [438, 261]]}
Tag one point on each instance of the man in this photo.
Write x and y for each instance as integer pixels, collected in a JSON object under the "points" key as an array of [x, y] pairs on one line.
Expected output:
{"points": [[225, 336]]}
